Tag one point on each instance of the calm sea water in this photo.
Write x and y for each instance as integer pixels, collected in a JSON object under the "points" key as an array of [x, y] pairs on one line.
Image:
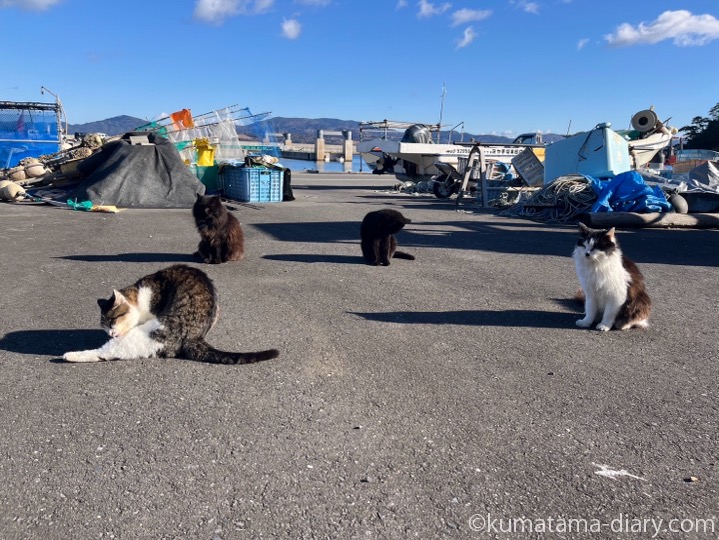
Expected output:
{"points": [[357, 165]]}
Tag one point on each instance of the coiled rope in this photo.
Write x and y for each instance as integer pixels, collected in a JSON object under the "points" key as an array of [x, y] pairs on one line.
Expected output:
{"points": [[560, 201]]}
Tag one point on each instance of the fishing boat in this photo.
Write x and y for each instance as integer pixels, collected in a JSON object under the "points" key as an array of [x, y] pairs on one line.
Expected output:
{"points": [[604, 152], [648, 136], [380, 150], [415, 157]]}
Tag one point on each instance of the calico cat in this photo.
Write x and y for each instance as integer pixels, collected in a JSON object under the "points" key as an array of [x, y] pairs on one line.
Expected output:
{"points": [[165, 314], [377, 236], [222, 239], [612, 285]]}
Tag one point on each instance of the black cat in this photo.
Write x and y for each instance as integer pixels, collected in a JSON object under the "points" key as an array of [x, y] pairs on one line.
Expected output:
{"points": [[377, 236], [222, 239]]}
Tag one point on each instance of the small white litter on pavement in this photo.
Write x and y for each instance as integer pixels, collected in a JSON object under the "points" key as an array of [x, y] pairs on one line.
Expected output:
{"points": [[604, 470]]}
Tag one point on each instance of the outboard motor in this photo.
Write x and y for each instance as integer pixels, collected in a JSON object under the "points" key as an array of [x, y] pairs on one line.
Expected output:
{"points": [[417, 133]]}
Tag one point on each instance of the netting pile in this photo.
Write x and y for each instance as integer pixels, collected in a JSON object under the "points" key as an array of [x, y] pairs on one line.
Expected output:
{"points": [[208, 137], [561, 201]]}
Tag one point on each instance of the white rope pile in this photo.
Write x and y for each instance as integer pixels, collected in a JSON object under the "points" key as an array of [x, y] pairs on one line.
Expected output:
{"points": [[560, 201]]}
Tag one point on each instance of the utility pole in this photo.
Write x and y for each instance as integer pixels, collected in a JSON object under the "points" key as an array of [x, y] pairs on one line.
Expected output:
{"points": [[59, 104]]}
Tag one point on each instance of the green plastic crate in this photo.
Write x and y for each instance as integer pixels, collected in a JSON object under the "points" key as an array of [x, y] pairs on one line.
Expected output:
{"points": [[209, 176]]}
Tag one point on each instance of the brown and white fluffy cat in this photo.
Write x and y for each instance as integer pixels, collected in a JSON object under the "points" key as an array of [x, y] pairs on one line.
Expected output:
{"points": [[612, 284], [165, 314], [222, 239], [377, 236]]}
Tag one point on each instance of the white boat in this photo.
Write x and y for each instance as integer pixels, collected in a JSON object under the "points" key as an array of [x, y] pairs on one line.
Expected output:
{"points": [[414, 158], [648, 136], [379, 152]]}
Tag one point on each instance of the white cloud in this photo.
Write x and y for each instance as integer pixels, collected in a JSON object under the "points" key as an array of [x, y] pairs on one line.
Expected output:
{"points": [[463, 16], [428, 9], [261, 6], [401, 4], [291, 28], [467, 38], [528, 7], [683, 28], [28, 4], [216, 11], [582, 43]]}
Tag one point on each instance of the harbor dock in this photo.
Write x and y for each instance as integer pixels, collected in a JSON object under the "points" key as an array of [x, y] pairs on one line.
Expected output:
{"points": [[418, 400]]}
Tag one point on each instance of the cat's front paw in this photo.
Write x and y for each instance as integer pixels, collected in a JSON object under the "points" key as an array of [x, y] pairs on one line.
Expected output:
{"points": [[603, 327], [81, 356], [584, 323]]}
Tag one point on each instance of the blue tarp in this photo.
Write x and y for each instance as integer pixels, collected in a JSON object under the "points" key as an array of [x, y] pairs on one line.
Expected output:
{"points": [[627, 192], [26, 132]]}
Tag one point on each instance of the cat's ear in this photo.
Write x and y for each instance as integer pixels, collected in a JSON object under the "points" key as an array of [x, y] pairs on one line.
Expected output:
{"points": [[610, 233], [104, 303], [198, 196], [583, 228], [117, 298]]}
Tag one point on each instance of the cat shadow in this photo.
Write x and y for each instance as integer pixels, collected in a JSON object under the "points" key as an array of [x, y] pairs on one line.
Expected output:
{"points": [[135, 258], [335, 187], [572, 304], [312, 232], [446, 235], [507, 318], [53, 343], [336, 259]]}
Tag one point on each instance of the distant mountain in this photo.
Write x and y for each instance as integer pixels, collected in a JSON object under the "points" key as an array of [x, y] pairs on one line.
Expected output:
{"points": [[117, 125], [302, 130]]}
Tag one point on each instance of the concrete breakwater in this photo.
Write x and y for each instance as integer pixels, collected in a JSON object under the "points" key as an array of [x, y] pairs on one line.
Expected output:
{"points": [[319, 152], [309, 152]]}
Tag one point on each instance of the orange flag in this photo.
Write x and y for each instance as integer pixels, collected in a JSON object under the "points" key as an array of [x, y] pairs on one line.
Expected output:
{"points": [[183, 119]]}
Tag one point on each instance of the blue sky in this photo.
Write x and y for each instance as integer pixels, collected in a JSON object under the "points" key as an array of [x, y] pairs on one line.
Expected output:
{"points": [[507, 66]]}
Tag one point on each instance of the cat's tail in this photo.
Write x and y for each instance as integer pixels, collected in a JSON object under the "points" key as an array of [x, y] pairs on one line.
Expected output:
{"points": [[402, 255], [579, 296], [202, 351]]}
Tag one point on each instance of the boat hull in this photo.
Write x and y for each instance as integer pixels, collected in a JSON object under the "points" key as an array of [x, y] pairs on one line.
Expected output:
{"points": [[416, 162], [642, 151]]}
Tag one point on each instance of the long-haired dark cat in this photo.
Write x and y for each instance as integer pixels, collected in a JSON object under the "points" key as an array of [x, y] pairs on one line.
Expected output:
{"points": [[165, 314], [377, 236], [222, 239], [612, 285]]}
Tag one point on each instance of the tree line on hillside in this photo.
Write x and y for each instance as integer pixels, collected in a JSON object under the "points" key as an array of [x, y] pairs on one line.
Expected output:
{"points": [[703, 133]]}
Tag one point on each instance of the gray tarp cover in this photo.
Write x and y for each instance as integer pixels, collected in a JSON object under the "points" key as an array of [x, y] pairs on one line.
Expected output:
{"points": [[705, 177], [139, 176]]}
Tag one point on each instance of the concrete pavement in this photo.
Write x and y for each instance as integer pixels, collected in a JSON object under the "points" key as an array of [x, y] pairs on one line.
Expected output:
{"points": [[446, 397]]}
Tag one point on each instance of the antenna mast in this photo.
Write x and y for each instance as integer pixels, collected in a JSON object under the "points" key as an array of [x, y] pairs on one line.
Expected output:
{"points": [[441, 112]]}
